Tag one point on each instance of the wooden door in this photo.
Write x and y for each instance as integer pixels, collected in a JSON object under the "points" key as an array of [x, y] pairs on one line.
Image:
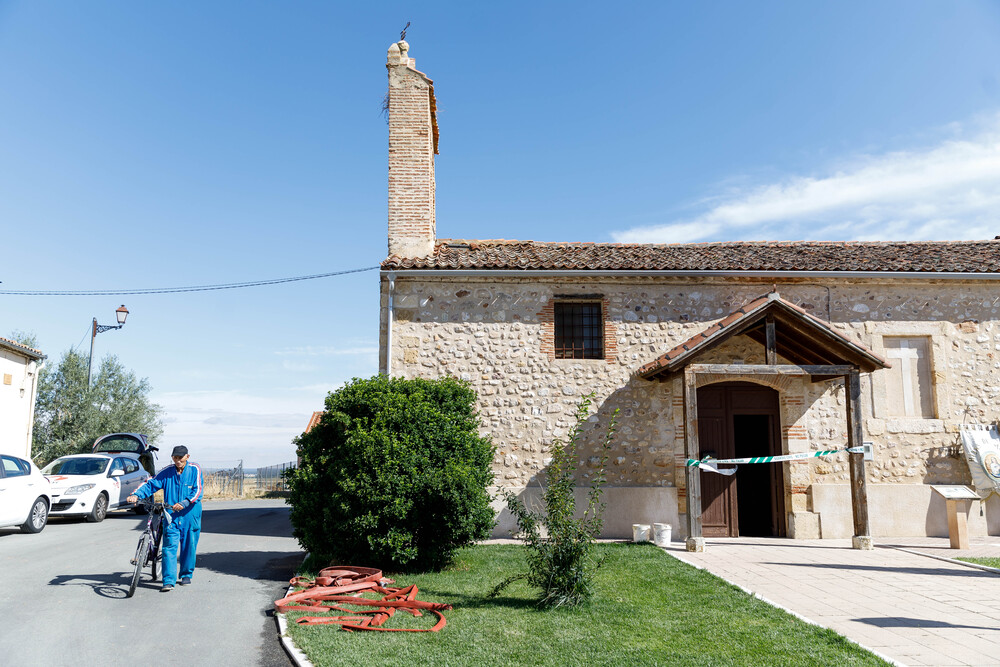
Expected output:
{"points": [[738, 420], [718, 492]]}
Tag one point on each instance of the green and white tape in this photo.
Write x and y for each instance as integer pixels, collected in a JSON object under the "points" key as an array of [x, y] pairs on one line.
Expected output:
{"points": [[712, 465]]}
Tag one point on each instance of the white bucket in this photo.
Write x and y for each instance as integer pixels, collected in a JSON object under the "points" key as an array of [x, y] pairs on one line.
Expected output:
{"points": [[640, 532], [661, 534]]}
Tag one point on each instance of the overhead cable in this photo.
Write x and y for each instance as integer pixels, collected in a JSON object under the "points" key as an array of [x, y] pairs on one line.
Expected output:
{"points": [[175, 290]]}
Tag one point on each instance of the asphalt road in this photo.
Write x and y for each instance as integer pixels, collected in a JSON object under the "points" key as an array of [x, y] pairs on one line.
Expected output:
{"points": [[62, 592]]}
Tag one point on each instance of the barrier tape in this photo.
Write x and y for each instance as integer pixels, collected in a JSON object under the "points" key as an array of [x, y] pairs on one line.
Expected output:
{"points": [[712, 465]]}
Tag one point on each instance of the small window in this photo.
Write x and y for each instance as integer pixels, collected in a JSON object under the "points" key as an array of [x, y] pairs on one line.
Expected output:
{"points": [[909, 390], [130, 466], [579, 331]]}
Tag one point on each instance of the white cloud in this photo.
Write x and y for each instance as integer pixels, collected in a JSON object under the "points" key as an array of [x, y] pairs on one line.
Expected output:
{"points": [[948, 191], [222, 427]]}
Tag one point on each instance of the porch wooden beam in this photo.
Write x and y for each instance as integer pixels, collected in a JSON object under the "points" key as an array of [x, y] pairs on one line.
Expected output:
{"points": [[692, 474], [859, 483], [770, 342], [765, 369]]}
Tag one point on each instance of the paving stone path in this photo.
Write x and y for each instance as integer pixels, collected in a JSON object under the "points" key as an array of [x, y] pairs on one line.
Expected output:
{"points": [[907, 607]]}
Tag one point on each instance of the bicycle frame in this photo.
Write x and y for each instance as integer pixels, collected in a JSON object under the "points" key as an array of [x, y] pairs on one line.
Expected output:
{"points": [[147, 551]]}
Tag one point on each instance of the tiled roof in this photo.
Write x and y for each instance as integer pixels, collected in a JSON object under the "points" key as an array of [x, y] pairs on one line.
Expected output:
{"points": [[735, 322], [23, 349], [897, 256], [314, 421]]}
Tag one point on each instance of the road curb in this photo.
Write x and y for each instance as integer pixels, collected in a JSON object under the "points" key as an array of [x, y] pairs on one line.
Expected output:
{"points": [[294, 652]]}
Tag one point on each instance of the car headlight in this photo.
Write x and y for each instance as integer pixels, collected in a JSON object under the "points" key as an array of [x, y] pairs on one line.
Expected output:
{"points": [[77, 490]]}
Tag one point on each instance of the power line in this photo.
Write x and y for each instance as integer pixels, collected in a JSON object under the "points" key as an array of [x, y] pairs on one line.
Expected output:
{"points": [[176, 290]]}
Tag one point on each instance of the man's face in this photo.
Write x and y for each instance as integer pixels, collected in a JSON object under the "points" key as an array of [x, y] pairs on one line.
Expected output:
{"points": [[180, 461]]}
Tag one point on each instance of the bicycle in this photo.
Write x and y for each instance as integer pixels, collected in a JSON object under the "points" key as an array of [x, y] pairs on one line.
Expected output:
{"points": [[147, 552]]}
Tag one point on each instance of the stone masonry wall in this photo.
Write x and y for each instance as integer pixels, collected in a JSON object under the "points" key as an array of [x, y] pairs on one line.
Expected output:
{"points": [[490, 332]]}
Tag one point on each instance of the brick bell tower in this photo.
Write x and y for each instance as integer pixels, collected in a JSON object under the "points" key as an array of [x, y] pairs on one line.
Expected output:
{"points": [[413, 143]]}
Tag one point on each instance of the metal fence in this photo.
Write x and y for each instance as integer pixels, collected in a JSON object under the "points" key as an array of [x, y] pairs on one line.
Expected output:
{"points": [[226, 482], [238, 482], [272, 478]]}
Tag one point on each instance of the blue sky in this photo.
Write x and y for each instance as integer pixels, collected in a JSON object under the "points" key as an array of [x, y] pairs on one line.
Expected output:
{"points": [[170, 144]]}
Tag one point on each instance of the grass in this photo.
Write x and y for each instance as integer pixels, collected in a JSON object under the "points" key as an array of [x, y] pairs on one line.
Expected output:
{"points": [[648, 609], [989, 562]]}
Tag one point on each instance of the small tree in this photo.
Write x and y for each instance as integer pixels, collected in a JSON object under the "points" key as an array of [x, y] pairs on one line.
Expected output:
{"points": [[69, 415], [394, 476], [560, 563]]}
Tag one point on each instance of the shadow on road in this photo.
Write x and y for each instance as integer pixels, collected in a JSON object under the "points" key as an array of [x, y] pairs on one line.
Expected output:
{"points": [[904, 622], [933, 571], [106, 584], [260, 565], [270, 522]]}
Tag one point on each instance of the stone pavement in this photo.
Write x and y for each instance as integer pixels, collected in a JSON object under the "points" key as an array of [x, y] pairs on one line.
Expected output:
{"points": [[908, 608]]}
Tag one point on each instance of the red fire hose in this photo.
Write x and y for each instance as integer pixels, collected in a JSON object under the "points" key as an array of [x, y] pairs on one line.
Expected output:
{"points": [[333, 584]]}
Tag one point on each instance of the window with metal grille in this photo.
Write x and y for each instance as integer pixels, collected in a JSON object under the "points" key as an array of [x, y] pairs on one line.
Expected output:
{"points": [[579, 331]]}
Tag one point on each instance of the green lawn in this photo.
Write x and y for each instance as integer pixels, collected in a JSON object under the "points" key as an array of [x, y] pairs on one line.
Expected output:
{"points": [[989, 562], [649, 609]]}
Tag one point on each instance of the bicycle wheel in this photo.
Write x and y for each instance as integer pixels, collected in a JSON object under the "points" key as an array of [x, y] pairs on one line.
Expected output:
{"points": [[141, 553]]}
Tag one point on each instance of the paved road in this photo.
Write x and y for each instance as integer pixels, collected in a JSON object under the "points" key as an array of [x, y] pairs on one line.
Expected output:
{"points": [[62, 592], [910, 608]]}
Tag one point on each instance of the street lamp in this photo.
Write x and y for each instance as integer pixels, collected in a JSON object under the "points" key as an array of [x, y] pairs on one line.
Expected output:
{"points": [[121, 314]]}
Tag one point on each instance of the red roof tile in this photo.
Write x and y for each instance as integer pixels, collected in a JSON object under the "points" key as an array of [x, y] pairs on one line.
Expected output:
{"points": [[314, 421], [23, 349], [896, 256]]}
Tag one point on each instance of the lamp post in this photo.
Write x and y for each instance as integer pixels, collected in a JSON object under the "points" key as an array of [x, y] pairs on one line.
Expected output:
{"points": [[121, 314]]}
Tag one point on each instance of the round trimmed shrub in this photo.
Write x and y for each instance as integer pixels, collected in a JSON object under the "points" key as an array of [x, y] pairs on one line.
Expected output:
{"points": [[394, 476]]}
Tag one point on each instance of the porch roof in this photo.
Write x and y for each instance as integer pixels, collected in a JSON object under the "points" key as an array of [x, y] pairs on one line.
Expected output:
{"points": [[799, 337]]}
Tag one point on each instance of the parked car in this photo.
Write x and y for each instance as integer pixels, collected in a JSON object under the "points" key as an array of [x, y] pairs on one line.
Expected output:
{"points": [[24, 495], [91, 484], [133, 443]]}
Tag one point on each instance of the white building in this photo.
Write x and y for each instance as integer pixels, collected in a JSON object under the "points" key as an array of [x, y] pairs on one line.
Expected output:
{"points": [[19, 366]]}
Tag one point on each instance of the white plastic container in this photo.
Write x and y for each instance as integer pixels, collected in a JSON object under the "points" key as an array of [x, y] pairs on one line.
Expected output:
{"points": [[640, 532], [661, 534]]}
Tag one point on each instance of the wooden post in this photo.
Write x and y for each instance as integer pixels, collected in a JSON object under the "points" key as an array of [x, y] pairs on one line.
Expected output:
{"points": [[958, 528], [770, 345], [859, 483], [692, 474]]}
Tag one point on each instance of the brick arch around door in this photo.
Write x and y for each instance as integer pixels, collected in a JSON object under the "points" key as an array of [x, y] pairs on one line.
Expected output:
{"points": [[737, 420]]}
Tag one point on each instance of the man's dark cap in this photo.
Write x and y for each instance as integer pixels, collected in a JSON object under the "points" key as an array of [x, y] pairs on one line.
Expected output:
{"points": [[179, 450]]}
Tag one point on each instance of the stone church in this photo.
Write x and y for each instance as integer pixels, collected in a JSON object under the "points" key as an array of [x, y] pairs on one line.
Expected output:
{"points": [[728, 350]]}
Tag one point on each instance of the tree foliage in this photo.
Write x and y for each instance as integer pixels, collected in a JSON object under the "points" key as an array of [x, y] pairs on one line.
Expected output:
{"points": [[558, 543], [69, 415], [394, 476]]}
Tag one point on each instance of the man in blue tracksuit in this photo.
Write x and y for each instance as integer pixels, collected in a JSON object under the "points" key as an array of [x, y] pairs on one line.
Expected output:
{"points": [[182, 486]]}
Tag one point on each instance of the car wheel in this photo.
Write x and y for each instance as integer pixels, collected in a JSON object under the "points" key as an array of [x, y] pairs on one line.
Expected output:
{"points": [[38, 517], [100, 509]]}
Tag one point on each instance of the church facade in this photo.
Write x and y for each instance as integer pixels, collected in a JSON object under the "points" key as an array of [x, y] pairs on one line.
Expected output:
{"points": [[724, 350]]}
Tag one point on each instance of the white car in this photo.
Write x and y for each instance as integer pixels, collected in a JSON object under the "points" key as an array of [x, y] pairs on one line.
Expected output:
{"points": [[24, 495], [91, 484]]}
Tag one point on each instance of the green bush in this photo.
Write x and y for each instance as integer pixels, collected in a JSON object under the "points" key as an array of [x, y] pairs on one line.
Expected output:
{"points": [[559, 544], [394, 476]]}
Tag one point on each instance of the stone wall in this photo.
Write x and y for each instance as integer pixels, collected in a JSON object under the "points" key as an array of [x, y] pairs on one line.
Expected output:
{"points": [[491, 332]]}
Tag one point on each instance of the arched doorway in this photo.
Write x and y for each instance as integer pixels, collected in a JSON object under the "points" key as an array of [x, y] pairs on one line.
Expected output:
{"points": [[739, 420]]}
